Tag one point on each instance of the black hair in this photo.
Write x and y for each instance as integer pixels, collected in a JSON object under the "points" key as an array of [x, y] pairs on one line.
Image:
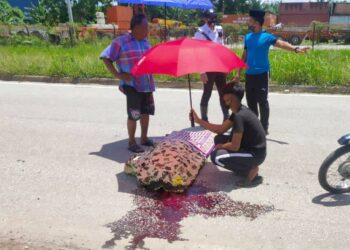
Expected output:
{"points": [[235, 89], [258, 15], [209, 13], [259, 20], [136, 20]]}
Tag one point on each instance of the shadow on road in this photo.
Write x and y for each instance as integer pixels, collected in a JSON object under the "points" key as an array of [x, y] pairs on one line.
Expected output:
{"points": [[216, 178], [210, 176], [332, 200], [277, 141], [117, 151]]}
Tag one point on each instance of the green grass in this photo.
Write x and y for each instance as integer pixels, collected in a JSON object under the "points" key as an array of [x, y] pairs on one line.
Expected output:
{"points": [[318, 68], [81, 61]]}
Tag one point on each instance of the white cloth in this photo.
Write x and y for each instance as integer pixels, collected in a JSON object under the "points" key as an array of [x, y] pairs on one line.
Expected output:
{"points": [[212, 34]]}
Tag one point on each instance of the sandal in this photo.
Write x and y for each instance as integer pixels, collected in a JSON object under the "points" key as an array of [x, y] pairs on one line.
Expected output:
{"points": [[148, 143], [253, 183], [136, 148]]}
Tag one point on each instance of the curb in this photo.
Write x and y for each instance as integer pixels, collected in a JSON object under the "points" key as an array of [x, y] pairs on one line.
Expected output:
{"points": [[178, 84]]}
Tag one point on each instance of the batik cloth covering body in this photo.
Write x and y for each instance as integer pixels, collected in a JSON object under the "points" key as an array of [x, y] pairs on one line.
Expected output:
{"points": [[172, 165]]}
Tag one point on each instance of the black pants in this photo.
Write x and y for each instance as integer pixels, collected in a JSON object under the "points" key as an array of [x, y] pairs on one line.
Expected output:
{"points": [[220, 81], [240, 162], [257, 88]]}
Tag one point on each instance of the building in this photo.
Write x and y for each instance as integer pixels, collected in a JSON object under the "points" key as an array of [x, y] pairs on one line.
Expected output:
{"points": [[270, 19], [303, 13], [340, 15]]}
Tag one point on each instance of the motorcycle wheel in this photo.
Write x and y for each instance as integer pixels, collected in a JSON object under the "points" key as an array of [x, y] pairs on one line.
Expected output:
{"points": [[334, 173]]}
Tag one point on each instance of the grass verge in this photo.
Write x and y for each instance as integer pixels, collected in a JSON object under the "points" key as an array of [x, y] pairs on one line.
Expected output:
{"points": [[318, 68]]}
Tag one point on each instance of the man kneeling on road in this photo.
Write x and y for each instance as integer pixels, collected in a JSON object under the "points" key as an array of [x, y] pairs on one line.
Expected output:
{"points": [[245, 148]]}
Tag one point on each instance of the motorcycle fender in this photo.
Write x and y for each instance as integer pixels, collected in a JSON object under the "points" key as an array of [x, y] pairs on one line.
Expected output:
{"points": [[344, 140]]}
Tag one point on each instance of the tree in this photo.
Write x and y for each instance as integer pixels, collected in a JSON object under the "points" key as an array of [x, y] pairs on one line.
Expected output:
{"points": [[9, 14], [272, 7], [84, 11], [184, 15], [49, 12], [52, 12]]}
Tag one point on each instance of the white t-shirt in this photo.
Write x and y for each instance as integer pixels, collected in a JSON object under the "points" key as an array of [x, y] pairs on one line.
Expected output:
{"points": [[212, 34]]}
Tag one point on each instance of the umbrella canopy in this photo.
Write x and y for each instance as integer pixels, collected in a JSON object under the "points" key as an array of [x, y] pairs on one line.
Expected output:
{"points": [[186, 56], [184, 4]]}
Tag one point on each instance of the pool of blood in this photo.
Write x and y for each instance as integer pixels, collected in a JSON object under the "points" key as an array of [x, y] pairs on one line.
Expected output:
{"points": [[158, 213]]}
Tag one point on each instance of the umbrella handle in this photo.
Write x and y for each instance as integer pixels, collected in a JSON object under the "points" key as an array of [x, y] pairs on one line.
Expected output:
{"points": [[189, 88]]}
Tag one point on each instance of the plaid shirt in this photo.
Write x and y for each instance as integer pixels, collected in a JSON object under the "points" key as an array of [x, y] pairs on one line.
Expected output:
{"points": [[125, 50]]}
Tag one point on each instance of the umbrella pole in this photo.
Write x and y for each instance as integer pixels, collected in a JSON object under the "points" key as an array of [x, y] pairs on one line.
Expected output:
{"points": [[189, 88], [165, 28]]}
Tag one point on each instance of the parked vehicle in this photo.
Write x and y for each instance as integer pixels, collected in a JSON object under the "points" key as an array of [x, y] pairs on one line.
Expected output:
{"points": [[334, 173], [295, 35]]}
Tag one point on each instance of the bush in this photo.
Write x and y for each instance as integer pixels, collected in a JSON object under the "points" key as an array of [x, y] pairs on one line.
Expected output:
{"points": [[347, 38], [234, 31], [16, 40]]}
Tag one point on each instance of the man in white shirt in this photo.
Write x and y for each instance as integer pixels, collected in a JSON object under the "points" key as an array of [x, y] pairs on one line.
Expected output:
{"points": [[210, 31]]}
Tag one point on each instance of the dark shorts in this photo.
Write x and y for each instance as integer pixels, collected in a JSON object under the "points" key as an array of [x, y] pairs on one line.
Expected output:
{"points": [[138, 103]]}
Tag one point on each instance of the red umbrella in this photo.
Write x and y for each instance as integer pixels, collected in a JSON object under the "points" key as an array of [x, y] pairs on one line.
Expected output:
{"points": [[186, 56]]}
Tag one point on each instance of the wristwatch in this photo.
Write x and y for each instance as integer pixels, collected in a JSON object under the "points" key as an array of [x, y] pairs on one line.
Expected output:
{"points": [[296, 49]]}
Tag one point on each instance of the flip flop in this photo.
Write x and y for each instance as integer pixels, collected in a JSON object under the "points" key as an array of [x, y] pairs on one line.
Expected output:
{"points": [[136, 149], [253, 183], [148, 143]]}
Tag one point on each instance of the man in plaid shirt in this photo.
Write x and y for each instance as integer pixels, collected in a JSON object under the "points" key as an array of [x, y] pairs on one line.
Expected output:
{"points": [[125, 50]]}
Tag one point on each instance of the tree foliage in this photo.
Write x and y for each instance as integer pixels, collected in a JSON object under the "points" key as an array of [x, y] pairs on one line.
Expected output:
{"points": [[49, 12], [9, 14], [52, 12]]}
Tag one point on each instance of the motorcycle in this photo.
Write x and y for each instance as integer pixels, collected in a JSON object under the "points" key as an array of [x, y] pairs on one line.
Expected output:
{"points": [[334, 173]]}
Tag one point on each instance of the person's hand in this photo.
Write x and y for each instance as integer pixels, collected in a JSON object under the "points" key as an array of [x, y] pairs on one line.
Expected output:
{"points": [[204, 78], [236, 79], [193, 115], [303, 50], [125, 76], [219, 146]]}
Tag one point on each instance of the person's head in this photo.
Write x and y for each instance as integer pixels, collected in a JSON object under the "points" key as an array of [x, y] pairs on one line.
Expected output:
{"points": [[233, 94], [210, 18], [256, 20], [139, 26]]}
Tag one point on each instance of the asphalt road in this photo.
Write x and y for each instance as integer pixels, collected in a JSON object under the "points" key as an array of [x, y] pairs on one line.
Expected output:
{"points": [[62, 184]]}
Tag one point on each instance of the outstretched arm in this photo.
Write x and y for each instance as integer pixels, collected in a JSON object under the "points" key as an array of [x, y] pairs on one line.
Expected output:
{"points": [[215, 128], [287, 46]]}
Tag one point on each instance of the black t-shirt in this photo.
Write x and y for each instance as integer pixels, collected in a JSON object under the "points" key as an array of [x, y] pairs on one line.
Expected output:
{"points": [[246, 122]]}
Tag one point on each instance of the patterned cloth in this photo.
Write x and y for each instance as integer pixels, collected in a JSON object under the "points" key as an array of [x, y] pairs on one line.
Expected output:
{"points": [[125, 50], [203, 140], [172, 165]]}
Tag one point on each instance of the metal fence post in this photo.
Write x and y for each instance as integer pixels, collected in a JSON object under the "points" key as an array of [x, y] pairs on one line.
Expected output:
{"points": [[71, 29], [313, 35]]}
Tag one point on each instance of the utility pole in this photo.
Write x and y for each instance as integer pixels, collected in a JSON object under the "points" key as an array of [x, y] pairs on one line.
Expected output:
{"points": [[223, 7], [70, 13], [71, 21]]}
